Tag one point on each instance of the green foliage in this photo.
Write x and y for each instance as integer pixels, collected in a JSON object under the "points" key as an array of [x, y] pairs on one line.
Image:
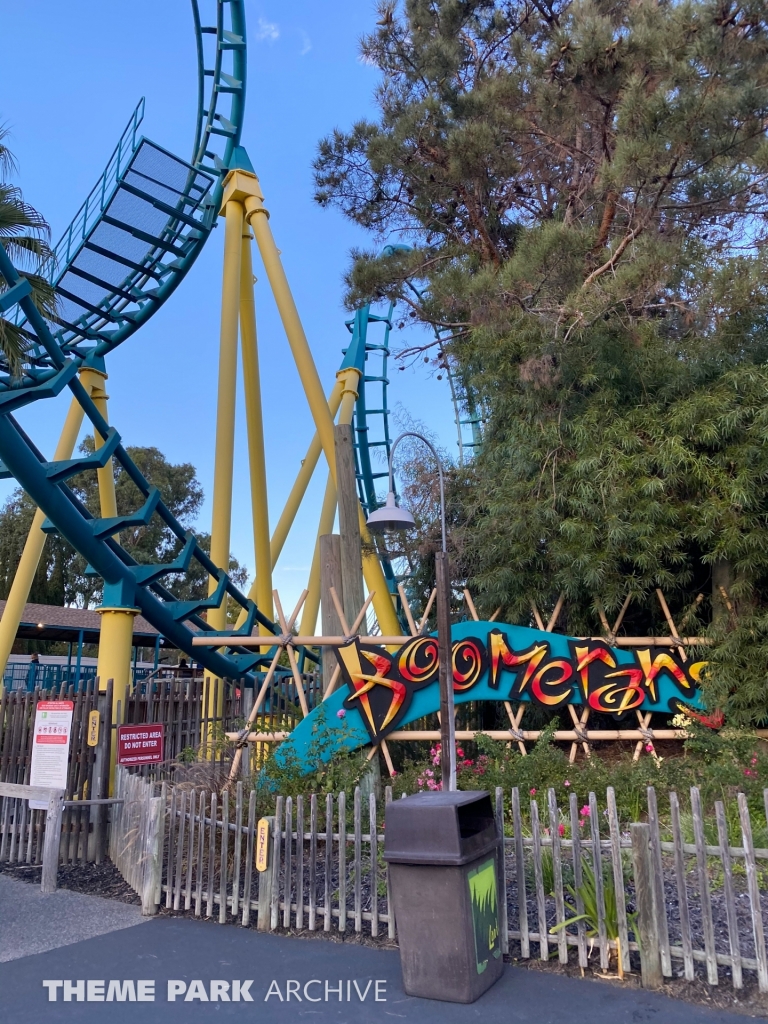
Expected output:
{"points": [[719, 764], [61, 578], [587, 893], [584, 187], [341, 772]]}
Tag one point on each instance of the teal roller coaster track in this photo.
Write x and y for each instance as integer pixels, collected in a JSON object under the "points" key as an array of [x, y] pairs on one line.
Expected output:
{"points": [[127, 250], [130, 245]]}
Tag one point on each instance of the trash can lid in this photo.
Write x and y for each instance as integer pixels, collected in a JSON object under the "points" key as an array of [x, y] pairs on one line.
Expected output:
{"points": [[439, 828]]}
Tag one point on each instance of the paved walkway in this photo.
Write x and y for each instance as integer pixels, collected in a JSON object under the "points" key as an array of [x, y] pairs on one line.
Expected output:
{"points": [[44, 939], [33, 922]]}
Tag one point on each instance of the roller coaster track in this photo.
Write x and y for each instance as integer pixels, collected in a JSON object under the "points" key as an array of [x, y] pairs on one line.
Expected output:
{"points": [[372, 412], [127, 250]]}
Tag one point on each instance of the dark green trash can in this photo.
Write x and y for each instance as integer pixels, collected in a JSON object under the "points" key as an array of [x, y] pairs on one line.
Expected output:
{"points": [[442, 850]]}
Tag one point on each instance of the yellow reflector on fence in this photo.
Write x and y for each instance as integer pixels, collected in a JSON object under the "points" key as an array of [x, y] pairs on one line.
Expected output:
{"points": [[94, 720], [262, 844]]}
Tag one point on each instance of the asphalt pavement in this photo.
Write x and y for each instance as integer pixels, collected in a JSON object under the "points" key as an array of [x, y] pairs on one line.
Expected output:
{"points": [[34, 922], [178, 970]]}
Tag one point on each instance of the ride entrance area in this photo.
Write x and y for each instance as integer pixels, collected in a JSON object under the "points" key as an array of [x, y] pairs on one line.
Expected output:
{"points": [[206, 787]]}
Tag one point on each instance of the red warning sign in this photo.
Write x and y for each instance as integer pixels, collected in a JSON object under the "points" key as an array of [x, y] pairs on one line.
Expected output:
{"points": [[140, 744]]}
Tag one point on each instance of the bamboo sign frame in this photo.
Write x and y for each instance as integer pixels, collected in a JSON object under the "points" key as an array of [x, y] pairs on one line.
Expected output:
{"points": [[659, 658]]}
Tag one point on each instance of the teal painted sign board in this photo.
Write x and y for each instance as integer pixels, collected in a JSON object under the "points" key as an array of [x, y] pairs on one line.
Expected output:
{"points": [[382, 691]]}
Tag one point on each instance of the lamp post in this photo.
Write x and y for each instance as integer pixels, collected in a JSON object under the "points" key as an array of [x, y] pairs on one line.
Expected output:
{"points": [[391, 517]]}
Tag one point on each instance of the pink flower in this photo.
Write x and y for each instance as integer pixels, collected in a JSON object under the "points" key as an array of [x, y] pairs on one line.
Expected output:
{"points": [[341, 713], [393, 773], [582, 822], [533, 792], [561, 830], [584, 812], [460, 752], [419, 782], [649, 748], [566, 783]]}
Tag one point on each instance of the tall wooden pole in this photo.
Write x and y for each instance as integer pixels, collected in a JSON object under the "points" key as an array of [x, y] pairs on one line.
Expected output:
{"points": [[330, 576], [349, 524], [445, 671]]}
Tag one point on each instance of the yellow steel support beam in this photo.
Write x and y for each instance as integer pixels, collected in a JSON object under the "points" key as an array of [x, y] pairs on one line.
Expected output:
{"points": [[295, 498], [258, 217], [115, 648], [225, 412], [255, 422], [347, 379], [116, 632], [33, 548], [94, 381], [299, 489]]}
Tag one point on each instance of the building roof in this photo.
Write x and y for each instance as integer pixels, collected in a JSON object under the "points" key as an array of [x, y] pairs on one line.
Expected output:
{"points": [[51, 622]]}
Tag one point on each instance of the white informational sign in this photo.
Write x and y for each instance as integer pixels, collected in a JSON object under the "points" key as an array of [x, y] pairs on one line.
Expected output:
{"points": [[50, 746]]}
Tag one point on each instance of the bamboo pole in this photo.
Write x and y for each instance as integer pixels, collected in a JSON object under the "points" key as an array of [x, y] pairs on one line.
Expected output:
{"points": [[387, 641], [530, 735]]}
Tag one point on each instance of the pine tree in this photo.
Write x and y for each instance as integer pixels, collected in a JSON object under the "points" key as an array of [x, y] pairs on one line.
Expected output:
{"points": [[585, 187]]}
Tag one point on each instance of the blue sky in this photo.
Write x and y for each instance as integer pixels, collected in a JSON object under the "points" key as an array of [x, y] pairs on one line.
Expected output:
{"points": [[67, 88]]}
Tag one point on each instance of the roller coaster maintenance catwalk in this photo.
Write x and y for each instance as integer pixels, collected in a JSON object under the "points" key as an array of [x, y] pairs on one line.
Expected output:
{"points": [[128, 248]]}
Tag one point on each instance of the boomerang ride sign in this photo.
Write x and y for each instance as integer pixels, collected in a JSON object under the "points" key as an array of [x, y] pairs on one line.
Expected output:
{"points": [[385, 690], [50, 746]]}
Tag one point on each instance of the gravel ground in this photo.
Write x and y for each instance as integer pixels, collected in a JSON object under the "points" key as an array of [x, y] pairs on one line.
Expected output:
{"points": [[717, 899]]}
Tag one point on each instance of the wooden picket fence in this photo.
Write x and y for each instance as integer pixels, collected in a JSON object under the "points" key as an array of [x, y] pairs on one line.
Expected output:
{"points": [[184, 706], [83, 824], [136, 835], [326, 872]]}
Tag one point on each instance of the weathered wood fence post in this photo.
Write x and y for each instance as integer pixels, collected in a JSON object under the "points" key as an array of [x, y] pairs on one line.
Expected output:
{"points": [[647, 920], [266, 884], [153, 854]]}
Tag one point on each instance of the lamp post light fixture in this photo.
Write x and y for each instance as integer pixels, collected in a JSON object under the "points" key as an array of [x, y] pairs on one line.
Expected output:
{"points": [[391, 517]]}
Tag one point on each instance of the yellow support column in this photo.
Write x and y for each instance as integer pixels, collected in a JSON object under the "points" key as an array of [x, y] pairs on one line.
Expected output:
{"points": [[114, 662], [225, 415], [299, 489], [255, 423], [303, 477], [258, 218], [116, 632], [94, 382], [347, 381], [115, 648], [225, 411], [33, 548]]}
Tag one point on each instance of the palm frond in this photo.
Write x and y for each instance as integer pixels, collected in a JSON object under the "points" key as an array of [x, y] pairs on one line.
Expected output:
{"points": [[8, 163], [26, 236]]}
